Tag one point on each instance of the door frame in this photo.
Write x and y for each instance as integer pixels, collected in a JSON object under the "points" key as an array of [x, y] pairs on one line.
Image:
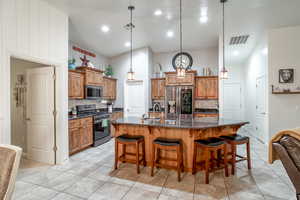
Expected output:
{"points": [[125, 91], [60, 122]]}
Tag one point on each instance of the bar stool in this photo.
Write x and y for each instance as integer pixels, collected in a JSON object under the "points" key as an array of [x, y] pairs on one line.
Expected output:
{"points": [[235, 140], [211, 147], [135, 140], [167, 145]]}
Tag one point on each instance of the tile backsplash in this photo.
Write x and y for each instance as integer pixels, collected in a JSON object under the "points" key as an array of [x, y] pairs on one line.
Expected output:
{"points": [[73, 103], [206, 104]]}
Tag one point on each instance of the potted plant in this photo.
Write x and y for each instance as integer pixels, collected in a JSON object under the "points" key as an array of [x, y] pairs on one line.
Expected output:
{"points": [[71, 63], [108, 71]]}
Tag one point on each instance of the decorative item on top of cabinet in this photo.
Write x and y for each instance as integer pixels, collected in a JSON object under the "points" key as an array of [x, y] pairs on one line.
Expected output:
{"points": [[207, 87], [158, 88], [172, 79], [80, 134], [76, 85], [109, 88], [93, 76]]}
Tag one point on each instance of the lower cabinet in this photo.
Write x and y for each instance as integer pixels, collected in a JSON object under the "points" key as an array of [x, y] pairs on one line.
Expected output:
{"points": [[80, 134]]}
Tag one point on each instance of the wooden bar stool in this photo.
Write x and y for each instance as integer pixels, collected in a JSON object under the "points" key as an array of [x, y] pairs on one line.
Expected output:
{"points": [[235, 140], [135, 140], [212, 149], [167, 145]]}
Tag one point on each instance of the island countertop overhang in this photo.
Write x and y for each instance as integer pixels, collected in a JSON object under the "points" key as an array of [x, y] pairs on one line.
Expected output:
{"points": [[204, 123]]}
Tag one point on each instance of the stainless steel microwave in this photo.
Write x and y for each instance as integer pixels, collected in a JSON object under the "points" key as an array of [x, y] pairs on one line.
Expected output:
{"points": [[93, 92]]}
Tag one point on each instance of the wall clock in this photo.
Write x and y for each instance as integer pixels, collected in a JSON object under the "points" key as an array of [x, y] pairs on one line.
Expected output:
{"points": [[187, 60]]}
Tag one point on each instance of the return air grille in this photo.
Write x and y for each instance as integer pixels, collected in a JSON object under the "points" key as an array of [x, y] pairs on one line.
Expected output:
{"points": [[236, 40]]}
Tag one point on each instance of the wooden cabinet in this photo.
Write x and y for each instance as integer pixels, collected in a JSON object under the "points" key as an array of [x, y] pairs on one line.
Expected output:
{"points": [[156, 114], [200, 115], [80, 134], [76, 85], [92, 76], [109, 88], [207, 87], [158, 88], [116, 115], [172, 79]]}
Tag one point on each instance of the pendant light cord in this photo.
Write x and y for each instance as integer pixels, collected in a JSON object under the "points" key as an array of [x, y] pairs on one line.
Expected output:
{"points": [[223, 24], [180, 21], [131, 26]]}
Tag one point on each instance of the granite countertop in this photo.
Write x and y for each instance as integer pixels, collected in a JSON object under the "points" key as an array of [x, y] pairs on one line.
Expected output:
{"points": [[202, 123]]}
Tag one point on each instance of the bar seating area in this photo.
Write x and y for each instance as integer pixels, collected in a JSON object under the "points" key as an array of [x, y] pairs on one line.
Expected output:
{"points": [[136, 141], [217, 153], [166, 144]]}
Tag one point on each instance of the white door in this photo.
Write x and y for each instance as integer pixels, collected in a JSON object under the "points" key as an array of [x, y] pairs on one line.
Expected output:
{"points": [[134, 97], [232, 101], [261, 113], [40, 118]]}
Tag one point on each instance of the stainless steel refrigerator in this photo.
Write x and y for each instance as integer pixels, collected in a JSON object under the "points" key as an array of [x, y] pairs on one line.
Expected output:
{"points": [[179, 102]]}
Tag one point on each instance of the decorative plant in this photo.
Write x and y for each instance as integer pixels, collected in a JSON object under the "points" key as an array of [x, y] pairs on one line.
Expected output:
{"points": [[71, 61], [108, 70]]}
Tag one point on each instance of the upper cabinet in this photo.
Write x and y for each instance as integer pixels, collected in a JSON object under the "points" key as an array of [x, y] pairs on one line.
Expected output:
{"points": [[158, 88], [92, 76], [207, 87], [109, 88], [76, 85], [172, 79]]}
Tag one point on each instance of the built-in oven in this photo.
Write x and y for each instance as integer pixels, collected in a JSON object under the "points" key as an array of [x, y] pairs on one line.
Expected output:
{"points": [[93, 92], [101, 129]]}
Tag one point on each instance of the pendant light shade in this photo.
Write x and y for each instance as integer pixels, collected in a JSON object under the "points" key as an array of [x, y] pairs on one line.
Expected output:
{"points": [[130, 26], [224, 71]]}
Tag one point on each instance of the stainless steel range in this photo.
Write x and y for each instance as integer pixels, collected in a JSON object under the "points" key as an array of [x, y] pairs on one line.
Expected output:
{"points": [[101, 120]]}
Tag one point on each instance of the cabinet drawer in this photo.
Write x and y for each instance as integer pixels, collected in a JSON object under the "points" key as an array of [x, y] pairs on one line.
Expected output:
{"points": [[75, 123], [86, 122]]}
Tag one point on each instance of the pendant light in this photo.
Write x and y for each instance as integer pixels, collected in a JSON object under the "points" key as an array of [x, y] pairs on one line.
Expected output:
{"points": [[180, 69], [130, 26], [224, 71]]}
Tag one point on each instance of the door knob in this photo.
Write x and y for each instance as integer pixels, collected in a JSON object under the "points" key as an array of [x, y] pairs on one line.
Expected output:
{"points": [[27, 119]]}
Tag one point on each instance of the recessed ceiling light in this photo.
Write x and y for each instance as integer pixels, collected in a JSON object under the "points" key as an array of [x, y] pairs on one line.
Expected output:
{"points": [[203, 19], [158, 12], [127, 44], [236, 53], [105, 29], [170, 34]]}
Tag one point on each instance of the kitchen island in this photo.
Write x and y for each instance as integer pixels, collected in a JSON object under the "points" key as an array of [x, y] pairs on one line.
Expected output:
{"points": [[186, 130]]}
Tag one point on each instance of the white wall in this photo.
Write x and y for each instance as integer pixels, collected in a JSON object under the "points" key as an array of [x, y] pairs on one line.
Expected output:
{"points": [[121, 65], [33, 30], [284, 52], [202, 58], [100, 61], [256, 66]]}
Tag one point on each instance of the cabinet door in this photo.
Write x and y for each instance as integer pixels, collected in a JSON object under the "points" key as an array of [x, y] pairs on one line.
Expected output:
{"points": [[74, 140], [171, 79], [154, 89], [105, 88], [76, 85], [86, 132], [187, 80], [212, 86], [114, 89], [200, 88], [161, 89]]}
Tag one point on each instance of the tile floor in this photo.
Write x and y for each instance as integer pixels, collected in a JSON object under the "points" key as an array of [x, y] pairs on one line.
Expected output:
{"points": [[89, 175]]}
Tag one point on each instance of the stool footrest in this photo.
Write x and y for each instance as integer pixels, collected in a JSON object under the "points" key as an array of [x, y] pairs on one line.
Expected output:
{"points": [[168, 159], [122, 158]]}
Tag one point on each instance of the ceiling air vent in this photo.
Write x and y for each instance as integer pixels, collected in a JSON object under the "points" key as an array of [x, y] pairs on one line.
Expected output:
{"points": [[241, 39]]}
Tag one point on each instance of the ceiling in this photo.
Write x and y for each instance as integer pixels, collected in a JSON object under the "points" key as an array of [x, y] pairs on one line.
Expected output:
{"points": [[252, 17]]}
